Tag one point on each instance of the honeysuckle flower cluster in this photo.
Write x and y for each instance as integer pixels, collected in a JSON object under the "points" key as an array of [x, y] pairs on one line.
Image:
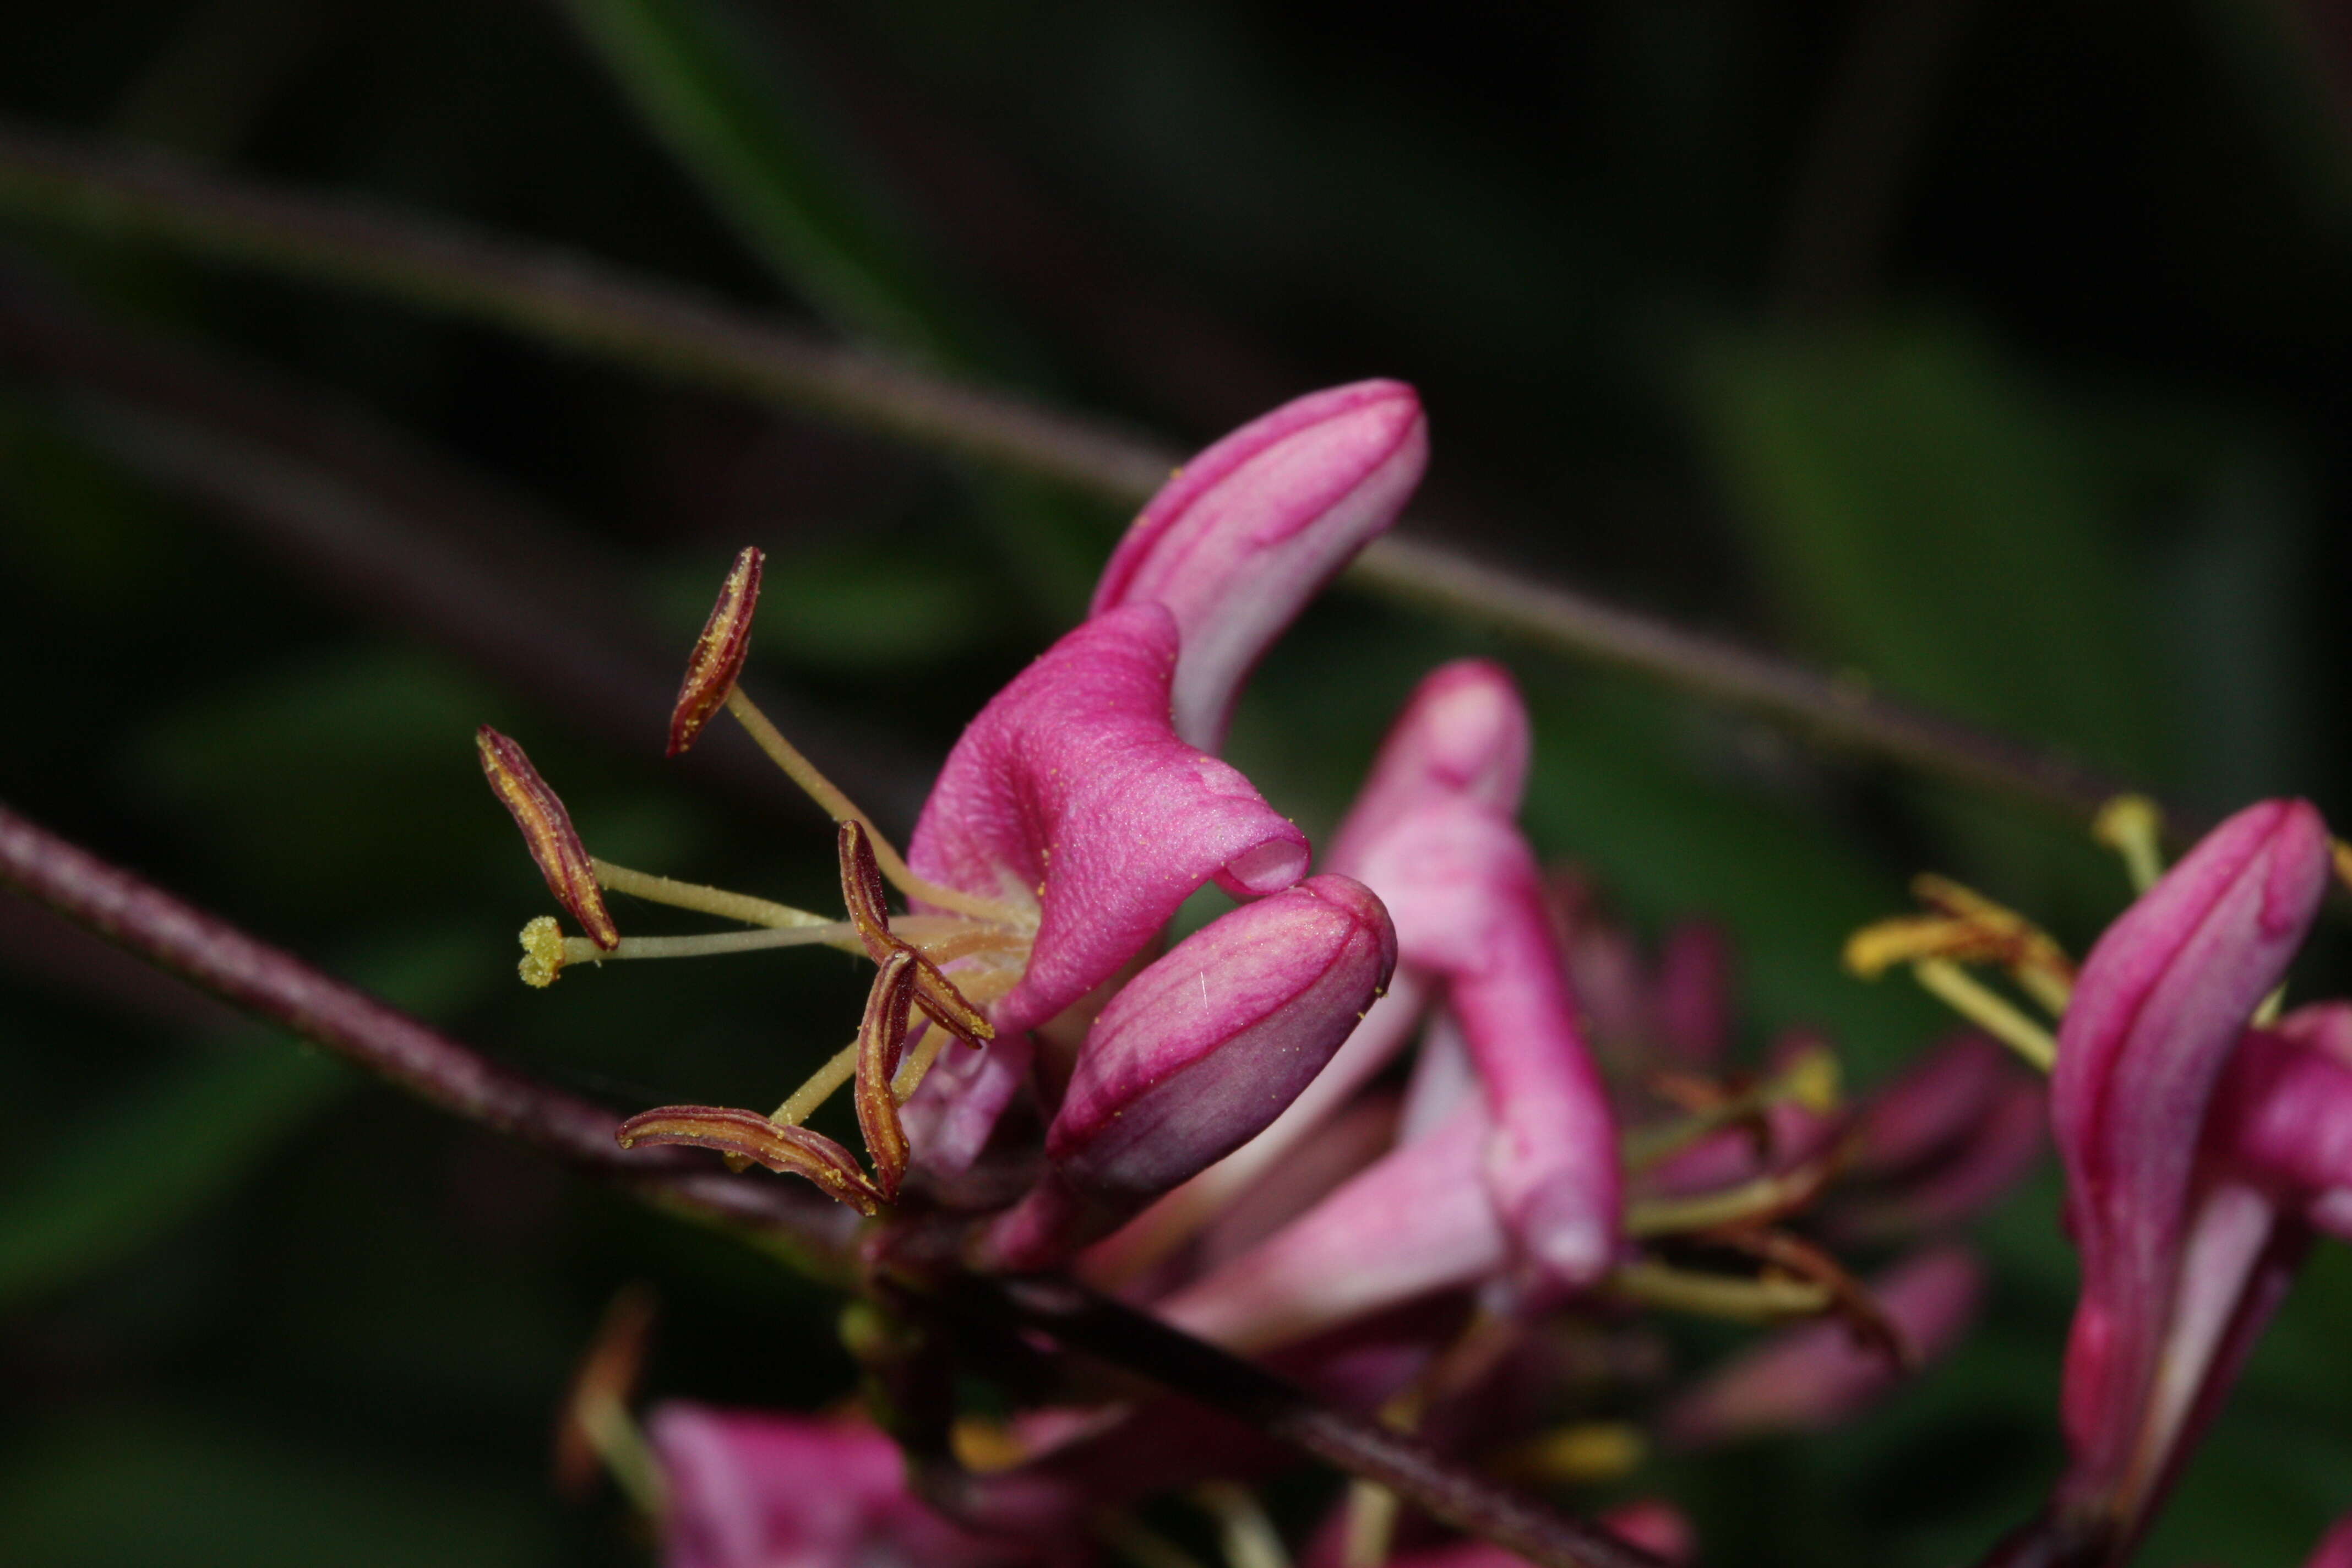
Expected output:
{"points": [[1220, 1130]]}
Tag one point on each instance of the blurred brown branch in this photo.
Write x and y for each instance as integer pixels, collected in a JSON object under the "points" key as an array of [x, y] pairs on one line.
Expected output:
{"points": [[568, 299]]}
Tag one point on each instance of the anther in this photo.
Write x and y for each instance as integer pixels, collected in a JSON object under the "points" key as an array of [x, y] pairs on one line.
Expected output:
{"points": [[547, 833]]}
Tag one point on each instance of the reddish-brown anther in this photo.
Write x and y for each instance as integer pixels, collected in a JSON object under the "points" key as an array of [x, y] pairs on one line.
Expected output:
{"points": [[879, 1041], [548, 831], [749, 1135], [719, 652], [865, 895]]}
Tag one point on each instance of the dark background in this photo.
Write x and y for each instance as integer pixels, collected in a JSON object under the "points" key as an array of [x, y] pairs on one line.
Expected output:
{"points": [[1992, 352]]}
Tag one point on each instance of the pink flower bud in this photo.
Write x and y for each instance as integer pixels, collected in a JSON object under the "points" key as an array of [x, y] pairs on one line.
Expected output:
{"points": [[1196, 1055], [2181, 1263]]}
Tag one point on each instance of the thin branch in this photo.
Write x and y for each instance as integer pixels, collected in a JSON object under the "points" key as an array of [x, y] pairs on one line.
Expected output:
{"points": [[278, 988], [563, 298], [354, 511], [1083, 1321], [1842, 710]]}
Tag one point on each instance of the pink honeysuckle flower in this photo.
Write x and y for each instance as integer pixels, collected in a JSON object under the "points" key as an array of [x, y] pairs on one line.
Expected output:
{"points": [[1434, 831], [1816, 1375], [2185, 1252], [1074, 817], [754, 1490]]}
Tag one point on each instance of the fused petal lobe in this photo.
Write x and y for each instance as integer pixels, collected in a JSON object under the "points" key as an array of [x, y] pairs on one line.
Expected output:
{"points": [[1070, 790], [1249, 531]]}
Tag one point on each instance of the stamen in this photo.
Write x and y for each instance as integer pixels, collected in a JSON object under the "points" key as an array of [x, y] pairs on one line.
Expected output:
{"points": [[1866, 1319], [840, 1070], [1648, 1282], [838, 807], [712, 672], [2031, 954], [1810, 1080], [879, 1038], [702, 900], [1584, 1453], [840, 934], [597, 1427], [750, 1136], [718, 653], [2342, 857], [862, 892], [2133, 827], [1371, 1509], [1247, 1535], [2272, 1005], [1968, 929], [546, 833], [1765, 1197], [1371, 1521], [1138, 1542], [1988, 1010], [918, 1065]]}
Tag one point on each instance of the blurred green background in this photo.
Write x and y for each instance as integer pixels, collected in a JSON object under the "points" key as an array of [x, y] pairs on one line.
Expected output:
{"points": [[1995, 352]]}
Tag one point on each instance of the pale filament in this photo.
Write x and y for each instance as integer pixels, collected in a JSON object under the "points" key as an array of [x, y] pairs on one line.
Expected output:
{"points": [[839, 806], [1989, 1010], [1742, 1299], [819, 1087], [581, 950], [1749, 1200], [703, 900], [1811, 1081], [939, 938]]}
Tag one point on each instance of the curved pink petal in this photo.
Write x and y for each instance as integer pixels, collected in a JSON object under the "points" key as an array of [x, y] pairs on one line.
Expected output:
{"points": [[2335, 1549], [1417, 1222], [1970, 1177], [2284, 1116], [1433, 833], [751, 1490], [1071, 791], [1249, 531], [1462, 735], [1197, 1054], [1693, 1001], [2155, 1019], [1464, 891], [1936, 1101], [1815, 1376]]}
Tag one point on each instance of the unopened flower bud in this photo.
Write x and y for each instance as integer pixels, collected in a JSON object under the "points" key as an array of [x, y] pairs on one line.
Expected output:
{"points": [[1199, 1053]]}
